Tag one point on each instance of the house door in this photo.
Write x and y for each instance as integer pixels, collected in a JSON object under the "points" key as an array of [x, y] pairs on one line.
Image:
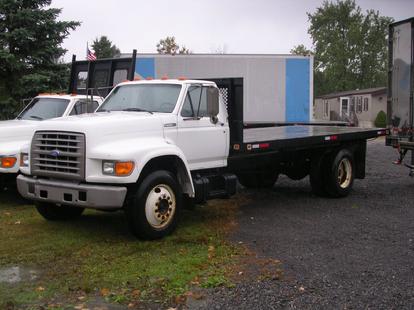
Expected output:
{"points": [[344, 106]]}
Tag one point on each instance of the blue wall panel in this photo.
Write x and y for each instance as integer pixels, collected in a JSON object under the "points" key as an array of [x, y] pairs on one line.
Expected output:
{"points": [[297, 90], [145, 67]]}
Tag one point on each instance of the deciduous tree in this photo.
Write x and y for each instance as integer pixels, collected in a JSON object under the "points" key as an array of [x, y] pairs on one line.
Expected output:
{"points": [[169, 46], [350, 47]]}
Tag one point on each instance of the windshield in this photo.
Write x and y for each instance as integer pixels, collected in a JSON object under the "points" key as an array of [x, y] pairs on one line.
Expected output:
{"points": [[140, 97], [44, 108]]}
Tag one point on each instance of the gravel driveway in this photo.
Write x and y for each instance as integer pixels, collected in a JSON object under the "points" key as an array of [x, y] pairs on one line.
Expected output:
{"points": [[351, 253]]}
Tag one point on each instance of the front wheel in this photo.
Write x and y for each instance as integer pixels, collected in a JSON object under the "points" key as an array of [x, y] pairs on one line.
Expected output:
{"points": [[52, 212], [153, 212]]}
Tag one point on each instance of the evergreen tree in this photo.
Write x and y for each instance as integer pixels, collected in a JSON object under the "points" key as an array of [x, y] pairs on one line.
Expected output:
{"points": [[30, 49], [104, 48]]}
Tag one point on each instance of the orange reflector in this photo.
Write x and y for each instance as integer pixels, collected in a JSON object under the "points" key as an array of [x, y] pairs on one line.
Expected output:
{"points": [[7, 162], [164, 77], [124, 168], [137, 78], [182, 78], [149, 78]]}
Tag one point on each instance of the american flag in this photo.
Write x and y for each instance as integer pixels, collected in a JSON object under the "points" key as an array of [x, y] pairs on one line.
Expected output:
{"points": [[89, 54]]}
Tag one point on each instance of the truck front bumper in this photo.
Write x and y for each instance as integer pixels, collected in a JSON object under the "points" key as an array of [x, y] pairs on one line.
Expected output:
{"points": [[67, 193]]}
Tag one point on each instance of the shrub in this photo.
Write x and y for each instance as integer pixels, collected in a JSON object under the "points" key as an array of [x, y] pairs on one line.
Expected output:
{"points": [[381, 120]]}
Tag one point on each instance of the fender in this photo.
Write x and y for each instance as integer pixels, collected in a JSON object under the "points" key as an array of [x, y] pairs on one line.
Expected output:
{"points": [[141, 151]]}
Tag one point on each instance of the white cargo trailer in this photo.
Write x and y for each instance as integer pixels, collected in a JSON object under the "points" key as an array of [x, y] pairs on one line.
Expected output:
{"points": [[277, 88]]}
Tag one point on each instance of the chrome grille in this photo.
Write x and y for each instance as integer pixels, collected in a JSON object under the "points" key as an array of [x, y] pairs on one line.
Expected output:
{"points": [[58, 155]]}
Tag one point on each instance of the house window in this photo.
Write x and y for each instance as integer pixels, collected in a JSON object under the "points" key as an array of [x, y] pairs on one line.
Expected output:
{"points": [[365, 104], [352, 106], [359, 105], [326, 108]]}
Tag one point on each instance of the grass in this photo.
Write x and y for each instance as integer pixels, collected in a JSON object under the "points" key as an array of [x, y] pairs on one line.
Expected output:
{"points": [[96, 256]]}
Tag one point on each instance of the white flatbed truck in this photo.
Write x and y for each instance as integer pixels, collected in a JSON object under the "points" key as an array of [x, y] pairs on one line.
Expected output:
{"points": [[14, 134], [157, 144]]}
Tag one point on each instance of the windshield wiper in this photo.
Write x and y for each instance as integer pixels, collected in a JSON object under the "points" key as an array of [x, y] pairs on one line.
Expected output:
{"points": [[36, 117], [137, 110]]}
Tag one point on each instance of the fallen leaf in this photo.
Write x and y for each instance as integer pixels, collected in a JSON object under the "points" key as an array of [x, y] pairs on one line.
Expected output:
{"points": [[131, 305], [105, 292], [180, 299], [17, 223], [7, 213], [40, 289], [136, 293], [81, 298], [211, 252], [301, 289]]}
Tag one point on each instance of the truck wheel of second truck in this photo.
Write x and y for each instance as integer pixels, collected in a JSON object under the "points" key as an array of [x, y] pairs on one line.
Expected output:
{"points": [[154, 211], [53, 212], [340, 175]]}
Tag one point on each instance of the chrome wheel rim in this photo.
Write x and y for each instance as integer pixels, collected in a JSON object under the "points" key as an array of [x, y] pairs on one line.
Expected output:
{"points": [[344, 173], [160, 206]]}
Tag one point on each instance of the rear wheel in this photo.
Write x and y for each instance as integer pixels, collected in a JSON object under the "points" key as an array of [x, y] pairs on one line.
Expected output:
{"points": [[340, 175], [52, 212], [263, 179], [153, 212]]}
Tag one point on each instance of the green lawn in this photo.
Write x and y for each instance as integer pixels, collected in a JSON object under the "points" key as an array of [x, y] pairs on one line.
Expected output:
{"points": [[96, 257]]}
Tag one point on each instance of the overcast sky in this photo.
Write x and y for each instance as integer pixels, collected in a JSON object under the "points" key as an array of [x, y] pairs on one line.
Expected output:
{"points": [[241, 26]]}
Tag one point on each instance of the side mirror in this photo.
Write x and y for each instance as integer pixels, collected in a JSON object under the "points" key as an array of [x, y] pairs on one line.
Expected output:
{"points": [[212, 101]]}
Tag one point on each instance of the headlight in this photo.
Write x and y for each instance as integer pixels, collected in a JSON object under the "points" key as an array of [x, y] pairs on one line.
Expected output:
{"points": [[118, 168], [24, 160], [7, 161]]}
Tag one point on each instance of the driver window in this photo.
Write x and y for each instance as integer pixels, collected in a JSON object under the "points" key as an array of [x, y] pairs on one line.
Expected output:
{"points": [[195, 104], [82, 107]]}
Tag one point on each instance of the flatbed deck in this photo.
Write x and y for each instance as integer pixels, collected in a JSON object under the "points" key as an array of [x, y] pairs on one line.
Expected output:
{"points": [[300, 136], [252, 135]]}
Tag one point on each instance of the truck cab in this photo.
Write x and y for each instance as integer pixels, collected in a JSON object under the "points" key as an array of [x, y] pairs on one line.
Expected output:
{"points": [[139, 148], [18, 132]]}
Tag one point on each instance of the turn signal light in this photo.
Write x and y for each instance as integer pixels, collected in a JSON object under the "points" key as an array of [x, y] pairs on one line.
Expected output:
{"points": [[124, 168], [7, 162]]}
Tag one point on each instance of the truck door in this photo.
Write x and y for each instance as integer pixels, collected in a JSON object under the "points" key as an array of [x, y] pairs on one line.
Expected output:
{"points": [[203, 142]]}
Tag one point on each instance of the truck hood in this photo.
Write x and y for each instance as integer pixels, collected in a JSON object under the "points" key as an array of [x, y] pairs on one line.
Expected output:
{"points": [[17, 130], [108, 126]]}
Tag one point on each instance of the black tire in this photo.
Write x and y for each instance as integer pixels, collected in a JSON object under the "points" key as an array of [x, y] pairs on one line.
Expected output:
{"points": [[339, 184], [156, 183], [258, 179], [52, 212], [317, 176]]}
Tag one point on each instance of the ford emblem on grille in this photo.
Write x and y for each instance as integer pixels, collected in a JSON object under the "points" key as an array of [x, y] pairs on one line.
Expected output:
{"points": [[54, 153]]}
